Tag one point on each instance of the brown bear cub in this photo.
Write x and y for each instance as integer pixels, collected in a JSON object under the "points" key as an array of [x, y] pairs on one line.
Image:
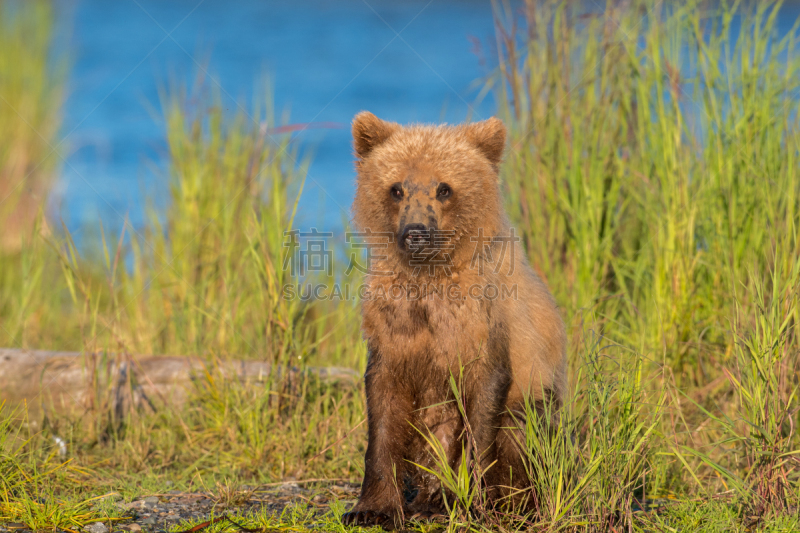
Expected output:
{"points": [[448, 292]]}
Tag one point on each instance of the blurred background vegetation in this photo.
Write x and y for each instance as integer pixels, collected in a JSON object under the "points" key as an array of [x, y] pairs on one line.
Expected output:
{"points": [[652, 171]]}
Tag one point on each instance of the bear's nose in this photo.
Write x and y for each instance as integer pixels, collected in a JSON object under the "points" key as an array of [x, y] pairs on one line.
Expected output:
{"points": [[414, 236]]}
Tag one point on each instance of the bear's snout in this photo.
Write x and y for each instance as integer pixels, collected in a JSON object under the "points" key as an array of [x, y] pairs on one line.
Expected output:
{"points": [[415, 237]]}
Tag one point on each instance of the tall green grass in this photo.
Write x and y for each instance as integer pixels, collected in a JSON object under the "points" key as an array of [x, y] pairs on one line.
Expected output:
{"points": [[757, 439], [653, 173], [653, 164], [205, 279], [31, 91], [31, 97]]}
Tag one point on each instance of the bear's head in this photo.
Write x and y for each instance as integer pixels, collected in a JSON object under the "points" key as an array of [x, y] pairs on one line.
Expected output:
{"points": [[431, 191]]}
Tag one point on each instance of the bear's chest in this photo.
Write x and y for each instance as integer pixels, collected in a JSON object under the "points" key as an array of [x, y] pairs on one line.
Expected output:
{"points": [[445, 322]]}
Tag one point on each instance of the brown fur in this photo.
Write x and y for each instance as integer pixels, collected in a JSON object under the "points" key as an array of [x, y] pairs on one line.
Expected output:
{"points": [[512, 350]]}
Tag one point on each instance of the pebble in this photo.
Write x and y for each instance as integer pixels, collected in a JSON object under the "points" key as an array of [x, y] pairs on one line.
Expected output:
{"points": [[96, 527], [151, 501]]}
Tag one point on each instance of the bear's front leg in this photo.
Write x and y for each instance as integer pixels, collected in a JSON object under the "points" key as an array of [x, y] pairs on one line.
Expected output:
{"points": [[486, 397], [389, 412]]}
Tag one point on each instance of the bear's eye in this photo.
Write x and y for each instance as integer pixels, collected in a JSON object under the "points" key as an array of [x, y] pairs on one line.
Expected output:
{"points": [[443, 191], [396, 191]]}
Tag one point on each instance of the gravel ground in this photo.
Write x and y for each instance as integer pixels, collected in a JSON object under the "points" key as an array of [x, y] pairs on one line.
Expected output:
{"points": [[160, 513]]}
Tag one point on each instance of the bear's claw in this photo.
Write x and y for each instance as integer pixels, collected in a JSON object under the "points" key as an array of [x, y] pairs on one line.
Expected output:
{"points": [[423, 516], [369, 518]]}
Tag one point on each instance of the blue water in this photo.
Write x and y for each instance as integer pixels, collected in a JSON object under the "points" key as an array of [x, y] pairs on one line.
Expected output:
{"points": [[326, 60]]}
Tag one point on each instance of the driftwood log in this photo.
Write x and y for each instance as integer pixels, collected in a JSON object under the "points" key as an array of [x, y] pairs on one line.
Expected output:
{"points": [[73, 382]]}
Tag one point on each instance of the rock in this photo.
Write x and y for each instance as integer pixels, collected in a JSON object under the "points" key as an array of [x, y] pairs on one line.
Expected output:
{"points": [[151, 501], [96, 527], [133, 528], [136, 505], [149, 521]]}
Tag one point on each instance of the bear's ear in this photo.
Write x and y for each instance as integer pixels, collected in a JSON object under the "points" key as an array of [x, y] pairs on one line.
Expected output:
{"points": [[369, 131], [489, 137]]}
